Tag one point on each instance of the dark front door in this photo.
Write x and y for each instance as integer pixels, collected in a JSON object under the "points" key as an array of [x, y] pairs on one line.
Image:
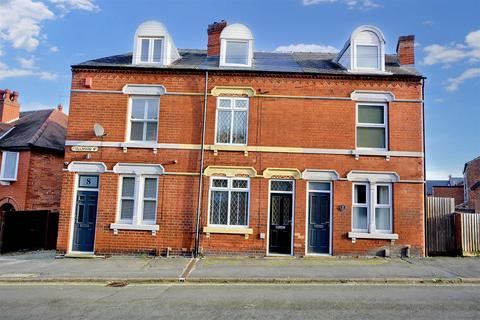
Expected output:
{"points": [[280, 223], [85, 218], [319, 223]]}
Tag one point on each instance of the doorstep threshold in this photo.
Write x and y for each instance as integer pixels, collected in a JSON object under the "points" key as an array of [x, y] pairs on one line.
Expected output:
{"points": [[83, 255]]}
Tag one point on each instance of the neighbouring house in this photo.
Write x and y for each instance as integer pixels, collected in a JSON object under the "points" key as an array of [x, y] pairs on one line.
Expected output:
{"points": [[32, 148], [471, 173], [232, 151], [451, 188]]}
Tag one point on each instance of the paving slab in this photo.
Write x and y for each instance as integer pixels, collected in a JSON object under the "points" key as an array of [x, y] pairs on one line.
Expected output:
{"points": [[333, 268], [44, 265]]}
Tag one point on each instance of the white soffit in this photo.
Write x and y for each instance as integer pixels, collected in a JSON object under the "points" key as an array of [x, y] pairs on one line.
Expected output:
{"points": [[87, 167], [144, 89], [372, 176], [372, 96], [318, 174], [138, 168]]}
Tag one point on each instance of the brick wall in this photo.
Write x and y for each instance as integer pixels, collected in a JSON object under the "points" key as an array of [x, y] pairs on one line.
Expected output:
{"points": [[16, 191], [276, 122], [455, 192], [472, 176]]}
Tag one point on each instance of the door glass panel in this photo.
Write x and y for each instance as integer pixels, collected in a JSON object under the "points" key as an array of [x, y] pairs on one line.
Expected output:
{"points": [[287, 207], [319, 186], [313, 209], [91, 213], [276, 202], [360, 218], [382, 218]]}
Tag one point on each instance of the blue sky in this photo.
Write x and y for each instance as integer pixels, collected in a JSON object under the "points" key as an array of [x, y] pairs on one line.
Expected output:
{"points": [[40, 39]]}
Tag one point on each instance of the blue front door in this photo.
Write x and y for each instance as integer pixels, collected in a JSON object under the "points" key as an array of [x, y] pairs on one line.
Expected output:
{"points": [[85, 219]]}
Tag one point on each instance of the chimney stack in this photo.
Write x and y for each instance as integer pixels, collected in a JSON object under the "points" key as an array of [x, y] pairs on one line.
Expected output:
{"points": [[9, 106], [406, 50], [214, 30]]}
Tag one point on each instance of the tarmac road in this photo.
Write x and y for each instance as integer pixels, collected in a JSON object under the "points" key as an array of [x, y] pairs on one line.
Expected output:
{"points": [[239, 301]]}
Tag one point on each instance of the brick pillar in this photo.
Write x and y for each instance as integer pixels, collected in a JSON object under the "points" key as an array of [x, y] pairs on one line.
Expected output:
{"points": [[9, 106], [214, 30], [406, 50]]}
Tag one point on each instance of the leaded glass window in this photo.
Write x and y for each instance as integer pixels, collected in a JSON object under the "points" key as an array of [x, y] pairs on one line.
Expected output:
{"points": [[229, 201], [232, 121]]}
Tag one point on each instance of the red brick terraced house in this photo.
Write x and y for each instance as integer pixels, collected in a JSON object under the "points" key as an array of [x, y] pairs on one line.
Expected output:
{"points": [[232, 151]]}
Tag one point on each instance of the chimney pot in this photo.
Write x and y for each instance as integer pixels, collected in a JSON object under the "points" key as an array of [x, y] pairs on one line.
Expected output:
{"points": [[9, 106], [406, 50], [7, 94], [60, 107], [214, 30], [15, 95]]}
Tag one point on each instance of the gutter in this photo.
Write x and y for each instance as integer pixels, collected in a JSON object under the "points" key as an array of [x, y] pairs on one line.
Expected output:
{"points": [[200, 180]]}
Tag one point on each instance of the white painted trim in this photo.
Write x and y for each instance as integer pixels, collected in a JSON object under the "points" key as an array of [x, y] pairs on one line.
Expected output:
{"points": [[307, 217], [144, 121], [144, 227], [2, 170], [320, 175], [381, 236], [144, 89], [353, 152], [270, 191], [372, 96], [87, 167], [223, 52], [373, 176], [7, 132], [138, 168]]}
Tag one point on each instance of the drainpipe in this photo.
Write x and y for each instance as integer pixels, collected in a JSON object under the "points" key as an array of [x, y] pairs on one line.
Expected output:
{"points": [[424, 173], [200, 180]]}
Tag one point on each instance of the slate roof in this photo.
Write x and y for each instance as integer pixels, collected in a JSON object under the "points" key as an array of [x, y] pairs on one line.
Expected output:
{"points": [[43, 129], [278, 62]]}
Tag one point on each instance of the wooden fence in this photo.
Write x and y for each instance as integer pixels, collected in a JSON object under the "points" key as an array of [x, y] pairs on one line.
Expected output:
{"points": [[440, 226], [467, 227]]}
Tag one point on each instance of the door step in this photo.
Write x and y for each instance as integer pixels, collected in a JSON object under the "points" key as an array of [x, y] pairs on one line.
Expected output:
{"points": [[83, 256]]}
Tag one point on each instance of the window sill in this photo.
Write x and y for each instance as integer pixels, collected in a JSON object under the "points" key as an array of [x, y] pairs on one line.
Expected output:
{"points": [[6, 182], [229, 147], [138, 227], [228, 230], [378, 236]]}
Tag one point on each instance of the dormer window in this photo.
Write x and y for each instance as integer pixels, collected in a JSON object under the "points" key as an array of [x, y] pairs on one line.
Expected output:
{"points": [[153, 45], [364, 51], [151, 50], [236, 46]]}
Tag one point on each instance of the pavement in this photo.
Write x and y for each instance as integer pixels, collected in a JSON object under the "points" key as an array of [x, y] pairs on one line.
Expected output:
{"points": [[42, 266]]}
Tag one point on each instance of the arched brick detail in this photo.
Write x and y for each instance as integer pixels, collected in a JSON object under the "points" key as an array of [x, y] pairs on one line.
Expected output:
{"points": [[10, 201]]}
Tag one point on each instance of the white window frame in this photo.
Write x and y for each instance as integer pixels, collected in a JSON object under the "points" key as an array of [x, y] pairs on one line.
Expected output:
{"points": [[2, 169], [137, 218], [355, 55], [361, 205], [150, 50], [371, 205], [130, 120], [232, 110], [372, 125], [389, 206], [223, 53], [229, 189]]}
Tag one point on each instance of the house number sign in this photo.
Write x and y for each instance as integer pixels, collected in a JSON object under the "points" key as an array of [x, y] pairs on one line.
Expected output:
{"points": [[88, 182], [84, 149]]}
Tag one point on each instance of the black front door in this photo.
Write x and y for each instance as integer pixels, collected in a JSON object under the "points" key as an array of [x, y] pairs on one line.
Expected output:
{"points": [[319, 223], [85, 218], [280, 223]]}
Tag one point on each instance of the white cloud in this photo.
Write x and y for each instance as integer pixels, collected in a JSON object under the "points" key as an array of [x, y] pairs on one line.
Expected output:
{"points": [[68, 5], [54, 49], [363, 5], [454, 52], [26, 63], [428, 23], [302, 47], [6, 73], [20, 22], [454, 83]]}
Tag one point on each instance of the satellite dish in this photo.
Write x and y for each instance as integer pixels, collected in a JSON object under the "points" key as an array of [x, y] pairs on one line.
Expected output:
{"points": [[98, 130]]}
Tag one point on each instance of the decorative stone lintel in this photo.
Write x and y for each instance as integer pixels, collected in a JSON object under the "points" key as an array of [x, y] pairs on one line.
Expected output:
{"points": [[233, 91], [292, 173], [230, 171]]}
